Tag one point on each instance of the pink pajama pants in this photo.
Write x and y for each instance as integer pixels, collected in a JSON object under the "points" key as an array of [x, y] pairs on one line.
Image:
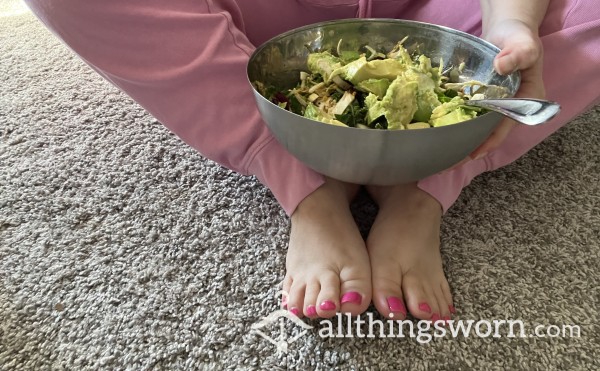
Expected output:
{"points": [[184, 61]]}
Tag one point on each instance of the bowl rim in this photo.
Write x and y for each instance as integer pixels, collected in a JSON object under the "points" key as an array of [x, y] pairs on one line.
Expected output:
{"points": [[373, 20], [479, 40]]}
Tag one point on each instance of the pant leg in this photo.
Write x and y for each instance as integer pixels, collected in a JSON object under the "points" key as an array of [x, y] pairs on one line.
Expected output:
{"points": [[571, 39], [185, 63]]}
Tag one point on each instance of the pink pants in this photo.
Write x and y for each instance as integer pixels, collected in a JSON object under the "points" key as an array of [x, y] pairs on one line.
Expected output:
{"points": [[184, 61]]}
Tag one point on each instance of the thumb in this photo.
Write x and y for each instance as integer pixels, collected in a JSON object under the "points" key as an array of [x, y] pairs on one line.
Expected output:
{"points": [[516, 57]]}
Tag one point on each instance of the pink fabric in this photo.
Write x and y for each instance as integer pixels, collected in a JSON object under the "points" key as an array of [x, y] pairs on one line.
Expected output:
{"points": [[571, 37], [365, 8], [185, 62]]}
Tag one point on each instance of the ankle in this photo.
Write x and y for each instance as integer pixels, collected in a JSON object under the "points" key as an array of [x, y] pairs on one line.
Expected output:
{"points": [[410, 200], [421, 200], [316, 205]]}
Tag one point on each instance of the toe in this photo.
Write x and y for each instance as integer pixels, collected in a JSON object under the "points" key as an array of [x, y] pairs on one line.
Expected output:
{"points": [[419, 303], [388, 298], [328, 300], [286, 287], [355, 294], [445, 302], [310, 299], [432, 301], [442, 314], [352, 301], [296, 298], [442, 303], [448, 296]]}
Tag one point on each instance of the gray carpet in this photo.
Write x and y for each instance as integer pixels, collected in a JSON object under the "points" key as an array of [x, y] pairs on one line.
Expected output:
{"points": [[121, 248]]}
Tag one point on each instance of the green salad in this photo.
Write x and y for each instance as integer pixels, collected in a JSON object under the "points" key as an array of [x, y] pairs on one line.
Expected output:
{"points": [[371, 89]]}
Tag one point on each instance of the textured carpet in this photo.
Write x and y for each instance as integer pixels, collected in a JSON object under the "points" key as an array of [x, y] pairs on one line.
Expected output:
{"points": [[121, 248]]}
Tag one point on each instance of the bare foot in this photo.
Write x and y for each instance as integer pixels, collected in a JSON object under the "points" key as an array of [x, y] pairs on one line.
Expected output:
{"points": [[404, 249], [328, 268]]}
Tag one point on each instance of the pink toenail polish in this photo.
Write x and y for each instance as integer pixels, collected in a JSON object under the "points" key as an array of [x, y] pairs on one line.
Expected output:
{"points": [[295, 311], [396, 305], [435, 317], [327, 305], [311, 310], [425, 307], [452, 309], [351, 297]]}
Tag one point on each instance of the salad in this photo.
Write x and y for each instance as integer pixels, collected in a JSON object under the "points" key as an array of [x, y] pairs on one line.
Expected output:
{"points": [[371, 89]]}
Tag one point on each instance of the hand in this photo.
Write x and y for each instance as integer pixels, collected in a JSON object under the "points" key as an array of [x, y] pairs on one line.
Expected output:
{"points": [[521, 50]]}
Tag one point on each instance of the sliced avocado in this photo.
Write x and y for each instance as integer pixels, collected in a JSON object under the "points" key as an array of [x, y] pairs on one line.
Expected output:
{"points": [[375, 108], [427, 99], [453, 117], [398, 105], [447, 107], [361, 70], [375, 86]]}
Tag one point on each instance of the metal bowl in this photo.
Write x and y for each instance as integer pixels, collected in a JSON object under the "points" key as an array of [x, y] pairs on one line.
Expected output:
{"points": [[370, 156]]}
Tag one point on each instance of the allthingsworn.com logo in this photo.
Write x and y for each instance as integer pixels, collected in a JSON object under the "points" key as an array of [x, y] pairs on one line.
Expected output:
{"points": [[344, 325]]}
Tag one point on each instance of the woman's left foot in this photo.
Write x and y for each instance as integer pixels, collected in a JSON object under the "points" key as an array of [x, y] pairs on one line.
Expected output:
{"points": [[404, 250]]}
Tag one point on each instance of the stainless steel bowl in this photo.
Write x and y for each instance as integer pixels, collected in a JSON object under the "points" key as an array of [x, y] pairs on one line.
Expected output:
{"points": [[370, 156]]}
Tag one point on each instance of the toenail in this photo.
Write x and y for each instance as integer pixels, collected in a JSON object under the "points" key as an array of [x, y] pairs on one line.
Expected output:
{"points": [[311, 310], [452, 309], [295, 311], [327, 305], [396, 305], [425, 307], [351, 297], [435, 317]]}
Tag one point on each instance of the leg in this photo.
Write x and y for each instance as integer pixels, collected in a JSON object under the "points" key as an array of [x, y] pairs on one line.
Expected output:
{"points": [[185, 63], [179, 59], [404, 242]]}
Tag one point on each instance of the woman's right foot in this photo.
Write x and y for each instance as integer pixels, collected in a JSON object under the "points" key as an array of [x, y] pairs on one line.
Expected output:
{"points": [[328, 269]]}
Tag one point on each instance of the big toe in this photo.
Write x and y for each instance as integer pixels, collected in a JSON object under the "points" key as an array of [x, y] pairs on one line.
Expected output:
{"points": [[388, 298], [355, 291]]}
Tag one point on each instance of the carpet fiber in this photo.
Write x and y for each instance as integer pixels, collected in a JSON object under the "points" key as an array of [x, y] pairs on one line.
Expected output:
{"points": [[122, 248]]}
